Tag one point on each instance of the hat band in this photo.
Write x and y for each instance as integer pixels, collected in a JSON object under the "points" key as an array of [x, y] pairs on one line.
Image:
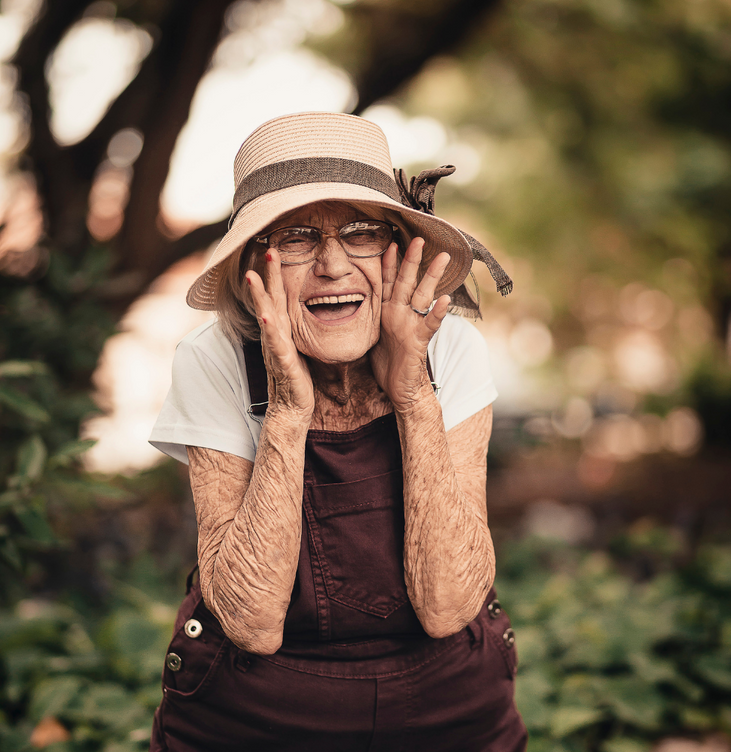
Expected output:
{"points": [[292, 172]]}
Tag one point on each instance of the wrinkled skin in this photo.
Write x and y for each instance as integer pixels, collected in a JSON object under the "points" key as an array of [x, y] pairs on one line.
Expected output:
{"points": [[336, 368]]}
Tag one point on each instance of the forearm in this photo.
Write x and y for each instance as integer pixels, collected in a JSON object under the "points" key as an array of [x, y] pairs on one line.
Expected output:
{"points": [[248, 555], [449, 560]]}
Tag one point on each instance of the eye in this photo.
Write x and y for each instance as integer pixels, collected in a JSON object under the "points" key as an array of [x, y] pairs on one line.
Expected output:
{"points": [[295, 239], [364, 233]]}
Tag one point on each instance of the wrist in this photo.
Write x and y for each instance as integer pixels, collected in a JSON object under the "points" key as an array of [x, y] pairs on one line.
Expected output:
{"points": [[289, 416], [422, 405]]}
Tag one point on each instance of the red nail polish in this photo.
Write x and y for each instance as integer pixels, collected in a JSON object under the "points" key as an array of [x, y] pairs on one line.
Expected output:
{"points": [[268, 256], [263, 320], [248, 280]]}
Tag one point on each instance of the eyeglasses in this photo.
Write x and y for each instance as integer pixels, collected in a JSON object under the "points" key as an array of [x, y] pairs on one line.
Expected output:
{"points": [[363, 239]]}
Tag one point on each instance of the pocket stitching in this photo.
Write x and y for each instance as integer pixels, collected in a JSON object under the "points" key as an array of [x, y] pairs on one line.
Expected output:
{"points": [[207, 677]]}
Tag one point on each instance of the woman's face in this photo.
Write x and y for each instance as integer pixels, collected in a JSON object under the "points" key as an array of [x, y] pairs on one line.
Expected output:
{"points": [[328, 331]]}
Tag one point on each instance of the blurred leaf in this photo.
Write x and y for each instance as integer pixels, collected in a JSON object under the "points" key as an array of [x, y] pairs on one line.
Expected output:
{"points": [[567, 719], [137, 644], [635, 702], [17, 368], [83, 487], [31, 458], [23, 405], [531, 690], [110, 705], [55, 696], [10, 553], [9, 499], [150, 696], [655, 670], [533, 646], [35, 524], [625, 745], [69, 451], [714, 671], [698, 719], [715, 561]]}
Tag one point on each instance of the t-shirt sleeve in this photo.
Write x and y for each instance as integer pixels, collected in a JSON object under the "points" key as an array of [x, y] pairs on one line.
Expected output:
{"points": [[206, 404], [460, 364]]}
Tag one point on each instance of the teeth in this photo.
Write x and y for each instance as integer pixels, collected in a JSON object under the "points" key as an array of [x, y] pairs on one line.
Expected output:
{"points": [[333, 299]]}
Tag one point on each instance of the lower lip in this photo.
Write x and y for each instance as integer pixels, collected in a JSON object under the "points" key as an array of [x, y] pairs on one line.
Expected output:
{"points": [[335, 322]]}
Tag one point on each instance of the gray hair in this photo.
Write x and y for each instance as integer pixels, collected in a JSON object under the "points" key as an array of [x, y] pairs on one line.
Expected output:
{"points": [[232, 299]]}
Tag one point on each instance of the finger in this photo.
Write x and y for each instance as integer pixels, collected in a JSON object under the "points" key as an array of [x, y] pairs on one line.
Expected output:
{"points": [[424, 293], [434, 318], [275, 285], [405, 283], [259, 295], [274, 339], [389, 271]]}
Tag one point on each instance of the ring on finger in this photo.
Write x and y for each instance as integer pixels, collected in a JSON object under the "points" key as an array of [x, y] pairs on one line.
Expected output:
{"points": [[421, 313]]}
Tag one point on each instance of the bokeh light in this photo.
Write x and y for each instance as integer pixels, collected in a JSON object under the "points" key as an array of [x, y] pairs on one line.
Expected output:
{"points": [[89, 68]]}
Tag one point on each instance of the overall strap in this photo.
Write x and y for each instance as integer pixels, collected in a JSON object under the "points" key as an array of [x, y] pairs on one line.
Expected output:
{"points": [[256, 374]]}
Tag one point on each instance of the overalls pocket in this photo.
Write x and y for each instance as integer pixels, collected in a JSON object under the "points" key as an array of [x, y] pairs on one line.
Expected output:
{"points": [[357, 529], [196, 651]]}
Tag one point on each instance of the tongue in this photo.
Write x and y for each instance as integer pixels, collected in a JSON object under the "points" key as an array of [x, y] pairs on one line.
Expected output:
{"points": [[330, 312]]}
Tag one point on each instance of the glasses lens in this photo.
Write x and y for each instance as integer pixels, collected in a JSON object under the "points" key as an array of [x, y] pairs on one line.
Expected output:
{"points": [[366, 238], [295, 242]]}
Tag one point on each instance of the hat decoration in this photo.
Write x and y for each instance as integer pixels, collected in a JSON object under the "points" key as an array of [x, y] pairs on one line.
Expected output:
{"points": [[418, 193]]}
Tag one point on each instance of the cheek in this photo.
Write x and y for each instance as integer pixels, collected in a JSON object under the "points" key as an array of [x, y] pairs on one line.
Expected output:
{"points": [[292, 284], [372, 272]]}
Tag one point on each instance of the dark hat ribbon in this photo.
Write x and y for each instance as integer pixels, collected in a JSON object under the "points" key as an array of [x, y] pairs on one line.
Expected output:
{"points": [[418, 193]]}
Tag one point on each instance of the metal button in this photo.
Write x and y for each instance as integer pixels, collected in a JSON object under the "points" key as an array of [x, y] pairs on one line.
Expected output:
{"points": [[509, 637], [193, 628], [494, 608], [173, 661]]}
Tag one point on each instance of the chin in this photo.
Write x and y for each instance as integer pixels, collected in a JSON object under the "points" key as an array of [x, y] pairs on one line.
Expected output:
{"points": [[338, 350], [337, 356]]}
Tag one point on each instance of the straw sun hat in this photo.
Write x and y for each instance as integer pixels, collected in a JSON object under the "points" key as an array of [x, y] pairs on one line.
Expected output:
{"points": [[299, 159]]}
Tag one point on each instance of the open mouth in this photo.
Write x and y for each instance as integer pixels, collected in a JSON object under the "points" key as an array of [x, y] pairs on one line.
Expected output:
{"points": [[332, 307]]}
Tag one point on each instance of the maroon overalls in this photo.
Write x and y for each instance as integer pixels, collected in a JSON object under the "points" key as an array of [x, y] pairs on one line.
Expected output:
{"points": [[356, 671]]}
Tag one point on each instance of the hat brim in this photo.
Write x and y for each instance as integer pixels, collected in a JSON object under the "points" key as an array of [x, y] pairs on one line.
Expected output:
{"points": [[439, 235]]}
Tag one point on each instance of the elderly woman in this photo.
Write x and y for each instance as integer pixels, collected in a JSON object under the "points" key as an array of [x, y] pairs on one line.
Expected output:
{"points": [[336, 420]]}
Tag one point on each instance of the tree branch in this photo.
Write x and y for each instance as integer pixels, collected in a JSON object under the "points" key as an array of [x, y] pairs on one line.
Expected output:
{"points": [[62, 195], [189, 36], [193, 241], [401, 43]]}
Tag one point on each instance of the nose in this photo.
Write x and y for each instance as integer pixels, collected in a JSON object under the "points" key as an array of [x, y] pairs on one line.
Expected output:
{"points": [[332, 261]]}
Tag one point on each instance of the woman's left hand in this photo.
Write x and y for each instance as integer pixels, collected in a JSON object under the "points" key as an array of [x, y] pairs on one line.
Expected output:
{"points": [[399, 357]]}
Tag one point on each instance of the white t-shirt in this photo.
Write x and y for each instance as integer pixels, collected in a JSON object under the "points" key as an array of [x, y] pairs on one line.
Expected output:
{"points": [[208, 400]]}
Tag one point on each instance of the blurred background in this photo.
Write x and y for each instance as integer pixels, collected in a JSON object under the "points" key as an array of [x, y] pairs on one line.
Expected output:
{"points": [[592, 140]]}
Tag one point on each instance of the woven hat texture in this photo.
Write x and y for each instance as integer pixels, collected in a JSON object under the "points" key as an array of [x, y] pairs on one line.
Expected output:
{"points": [[303, 158]]}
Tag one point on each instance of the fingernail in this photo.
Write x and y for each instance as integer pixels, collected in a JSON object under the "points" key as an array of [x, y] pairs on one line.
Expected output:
{"points": [[268, 256], [263, 320], [248, 279]]}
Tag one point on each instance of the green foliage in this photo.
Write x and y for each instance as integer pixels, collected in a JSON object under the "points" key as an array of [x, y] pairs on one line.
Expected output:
{"points": [[102, 683], [51, 333], [611, 664]]}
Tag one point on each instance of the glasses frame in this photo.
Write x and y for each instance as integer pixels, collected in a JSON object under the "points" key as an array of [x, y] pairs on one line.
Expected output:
{"points": [[335, 235]]}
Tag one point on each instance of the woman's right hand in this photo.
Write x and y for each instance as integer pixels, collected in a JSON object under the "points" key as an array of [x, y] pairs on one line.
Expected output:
{"points": [[290, 383]]}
